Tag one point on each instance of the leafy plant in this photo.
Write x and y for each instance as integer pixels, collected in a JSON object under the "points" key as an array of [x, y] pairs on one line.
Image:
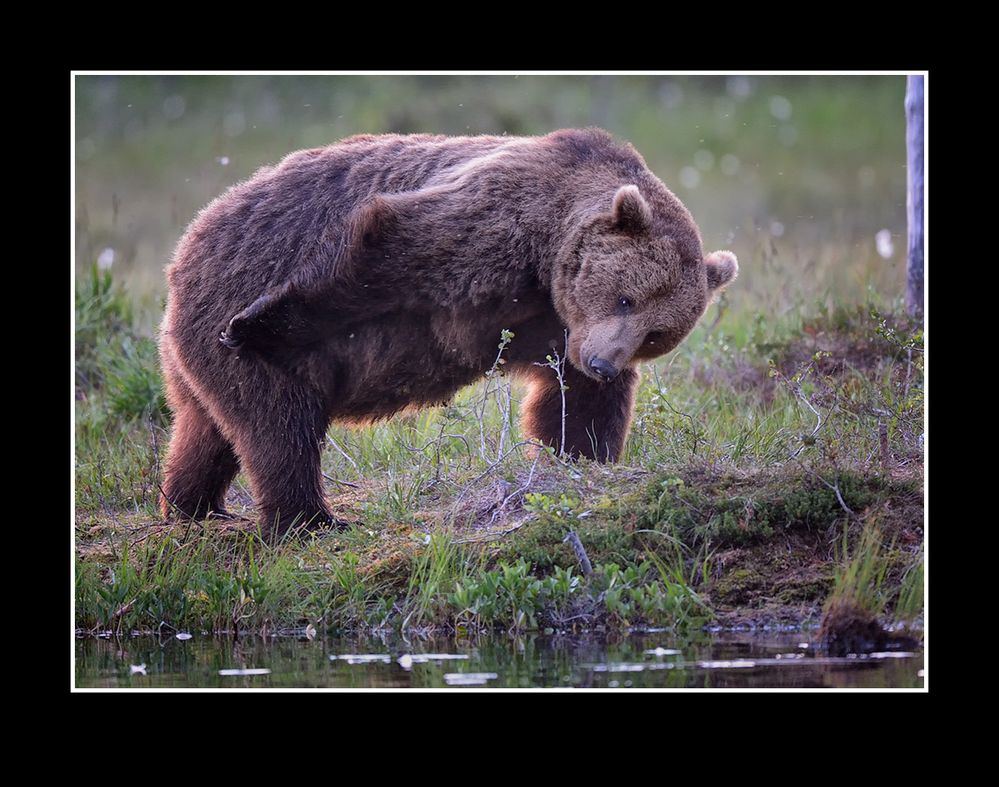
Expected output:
{"points": [[507, 595]]}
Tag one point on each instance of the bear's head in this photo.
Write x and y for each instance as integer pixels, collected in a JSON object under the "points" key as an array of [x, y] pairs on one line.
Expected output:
{"points": [[636, 281]]}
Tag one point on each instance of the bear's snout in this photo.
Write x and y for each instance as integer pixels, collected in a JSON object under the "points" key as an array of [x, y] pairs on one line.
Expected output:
{"points": [[609, 347], [603, 369]]}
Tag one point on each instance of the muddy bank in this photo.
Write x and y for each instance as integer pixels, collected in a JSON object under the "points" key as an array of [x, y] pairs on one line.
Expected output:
{"points": [[689, 547]]}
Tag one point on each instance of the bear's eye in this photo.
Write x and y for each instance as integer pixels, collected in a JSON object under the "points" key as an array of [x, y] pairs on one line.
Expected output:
{"points": [[624, 303]]}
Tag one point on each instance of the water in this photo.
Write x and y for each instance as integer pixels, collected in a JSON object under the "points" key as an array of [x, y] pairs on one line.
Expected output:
{"points": [[647, 660]]}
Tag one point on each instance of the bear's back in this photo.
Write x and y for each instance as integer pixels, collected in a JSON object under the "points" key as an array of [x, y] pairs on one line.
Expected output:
{"points": [[289, 221], [293, 210]]}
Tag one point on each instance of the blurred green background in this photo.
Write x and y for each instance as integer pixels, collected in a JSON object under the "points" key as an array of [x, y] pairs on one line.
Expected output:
{"points": [[796, 174]]}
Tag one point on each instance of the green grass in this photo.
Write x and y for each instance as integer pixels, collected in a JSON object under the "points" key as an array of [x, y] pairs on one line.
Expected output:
{"points": [[754, 443], [909, 603], [860, 578], [778, 447]]}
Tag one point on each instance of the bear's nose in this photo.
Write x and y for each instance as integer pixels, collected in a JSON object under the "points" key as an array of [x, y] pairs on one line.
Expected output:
{"points": [[603, 368]]}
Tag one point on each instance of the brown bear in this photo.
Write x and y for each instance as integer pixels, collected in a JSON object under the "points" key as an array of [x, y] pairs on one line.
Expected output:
{"points": [[352, 281]]}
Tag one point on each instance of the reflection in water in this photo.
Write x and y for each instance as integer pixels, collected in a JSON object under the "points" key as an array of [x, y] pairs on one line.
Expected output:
{"points": [[647, 660], [469, 678]]}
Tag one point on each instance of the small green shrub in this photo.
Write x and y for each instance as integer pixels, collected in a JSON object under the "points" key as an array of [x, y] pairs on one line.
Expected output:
{"points": [[134, 387], [103, 315], [508, 595]]}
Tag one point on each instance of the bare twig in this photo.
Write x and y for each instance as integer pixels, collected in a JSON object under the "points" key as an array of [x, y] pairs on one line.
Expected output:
{"points": [[526, 485], [577, 546], [795, 387], [343, 453], [563, 621], [333, 480], [156, 457], [437, 451], [818, 418], [480, 406], [436, 442], [492, 467], [557, 365], [671, 539], [833, 487], [688, 416], [908, 373], [561, 386], [883, 441], [489, 536], [839, 496], [124, 609], [505, 405]]}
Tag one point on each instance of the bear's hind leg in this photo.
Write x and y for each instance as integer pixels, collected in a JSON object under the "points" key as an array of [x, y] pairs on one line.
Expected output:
{"points": [[280, 449], [597, 414], [200, 462]]}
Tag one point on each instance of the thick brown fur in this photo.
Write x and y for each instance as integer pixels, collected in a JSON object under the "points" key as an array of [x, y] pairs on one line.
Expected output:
{"points": [[352, 281]]}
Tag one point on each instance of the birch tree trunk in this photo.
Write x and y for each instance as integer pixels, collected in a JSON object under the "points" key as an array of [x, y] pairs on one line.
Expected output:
{"points": [[914, 145]]}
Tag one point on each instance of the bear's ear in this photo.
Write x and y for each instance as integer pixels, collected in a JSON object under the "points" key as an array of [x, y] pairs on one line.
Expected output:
{"points": [[722, 267], [631, 212]]}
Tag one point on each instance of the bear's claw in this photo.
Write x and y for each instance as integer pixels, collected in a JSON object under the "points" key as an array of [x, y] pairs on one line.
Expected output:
{"points": [[230, 341]]}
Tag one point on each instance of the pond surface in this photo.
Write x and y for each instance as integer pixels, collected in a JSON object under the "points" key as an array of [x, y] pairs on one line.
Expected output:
{"points": [[783, 659]]}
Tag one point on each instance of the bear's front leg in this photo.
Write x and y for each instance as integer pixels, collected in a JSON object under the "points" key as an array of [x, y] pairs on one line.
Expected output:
{"points": [[597, 414]]}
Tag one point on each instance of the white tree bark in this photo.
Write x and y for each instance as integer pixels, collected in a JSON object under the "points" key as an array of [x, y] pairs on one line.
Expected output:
{"points": [[914, 145]]}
